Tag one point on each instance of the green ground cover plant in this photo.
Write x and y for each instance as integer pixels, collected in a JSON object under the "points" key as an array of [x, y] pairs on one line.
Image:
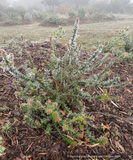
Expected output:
{"points": [[6, 128], [2, 149], [121, 47], [55, 99], [126, 36]]}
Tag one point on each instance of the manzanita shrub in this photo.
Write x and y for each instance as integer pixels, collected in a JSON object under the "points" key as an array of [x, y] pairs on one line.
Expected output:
{"points": [[54, 101]]}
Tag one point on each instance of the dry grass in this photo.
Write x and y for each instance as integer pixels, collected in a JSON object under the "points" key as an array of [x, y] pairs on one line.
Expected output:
{"points": [[89, 33]]}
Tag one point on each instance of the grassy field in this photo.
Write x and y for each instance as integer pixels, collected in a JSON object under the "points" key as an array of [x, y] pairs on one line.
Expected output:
{"points": [[88, 33]]}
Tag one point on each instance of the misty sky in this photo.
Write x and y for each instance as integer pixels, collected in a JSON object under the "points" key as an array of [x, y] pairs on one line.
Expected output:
{"points": [[18, 0], [27, 3]]}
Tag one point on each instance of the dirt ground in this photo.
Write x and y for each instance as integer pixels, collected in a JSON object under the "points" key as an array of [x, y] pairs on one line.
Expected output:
{"points": [[26, 143]]}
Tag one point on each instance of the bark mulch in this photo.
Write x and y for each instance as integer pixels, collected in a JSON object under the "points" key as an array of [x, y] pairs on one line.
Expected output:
{"points": [[26, 143]]}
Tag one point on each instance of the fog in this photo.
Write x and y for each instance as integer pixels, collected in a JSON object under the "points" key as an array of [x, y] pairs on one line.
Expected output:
{"points": [[51, 6]]}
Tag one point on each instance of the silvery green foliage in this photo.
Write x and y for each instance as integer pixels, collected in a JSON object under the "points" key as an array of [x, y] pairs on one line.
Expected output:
{"points": [[61, 84], [6, 128], [65, 70], [2, 149], [127, 39], [58, 34]]}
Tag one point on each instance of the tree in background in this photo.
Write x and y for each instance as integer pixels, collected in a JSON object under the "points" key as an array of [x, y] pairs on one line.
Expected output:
{"points": [[51, 4], [28, 4], [101, 6], [4, 2], [115, 6], [120, 6], [75, 4], [125, 2]]}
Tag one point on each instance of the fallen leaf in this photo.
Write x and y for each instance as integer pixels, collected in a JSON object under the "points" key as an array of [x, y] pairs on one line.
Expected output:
{"points": [[86, 138], [12, 143], [37, 122], [43, 153], [105, 126], [63, 112], [9, 114], [43, 64], [15, 107], [15, 113], [3, 142], [131, 143], [125, 137], [69, 147], [127, 90], [18, 158], [130, 118], [29, 156]]}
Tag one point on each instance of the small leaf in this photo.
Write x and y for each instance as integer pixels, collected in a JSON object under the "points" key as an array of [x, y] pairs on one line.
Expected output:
{"points": [[43, 64], [105, 126], [127, 90], [63, 112]]}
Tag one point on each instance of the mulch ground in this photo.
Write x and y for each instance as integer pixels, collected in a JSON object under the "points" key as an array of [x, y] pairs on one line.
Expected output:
{"points": [[26, 143]]}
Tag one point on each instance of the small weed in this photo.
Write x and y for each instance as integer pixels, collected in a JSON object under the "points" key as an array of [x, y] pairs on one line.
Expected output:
{"points": [[6, 128], [2, 149]]}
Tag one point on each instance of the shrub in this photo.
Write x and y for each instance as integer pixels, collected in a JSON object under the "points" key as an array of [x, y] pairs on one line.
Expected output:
{"points": [[10, 9], [38, 15], [54, 101], [22, 13], [81, 13], [72, 13], [113, 44], [1, 15], [121, 47], [127, 39], [53, 19], [90, 10], [28, 17], [13, 16]]}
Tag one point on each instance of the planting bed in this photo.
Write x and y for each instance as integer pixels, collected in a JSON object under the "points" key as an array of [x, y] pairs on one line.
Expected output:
{"points": [[31, 143]]}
